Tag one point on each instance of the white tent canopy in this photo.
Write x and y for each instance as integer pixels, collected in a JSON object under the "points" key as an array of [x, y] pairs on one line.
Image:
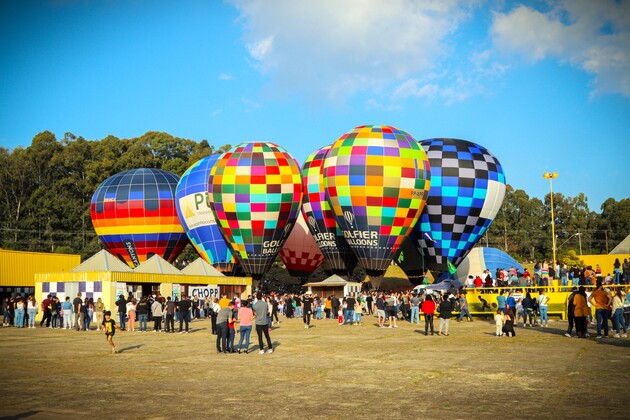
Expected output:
{"points": [[200, 267], [157, 265], [623, 247]]}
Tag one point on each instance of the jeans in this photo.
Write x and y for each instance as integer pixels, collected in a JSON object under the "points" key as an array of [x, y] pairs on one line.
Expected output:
{"points": [[564, 281], [618, 321], [465, 313], [67, 319], [184, 318], [350, 316], [428, 323], [122, 317], [231, 336], [142, 322], [318, 313], [602, 321], [260, 330], [358, 317], [414, 315], [31, 316], [529, 315], [245, 331], [543, 315], [617, 278], [86, 321], [222, 336], [19, 318]]}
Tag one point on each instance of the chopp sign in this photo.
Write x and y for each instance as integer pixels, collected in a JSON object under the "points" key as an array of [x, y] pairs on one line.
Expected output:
{"points": [[204, 292]]}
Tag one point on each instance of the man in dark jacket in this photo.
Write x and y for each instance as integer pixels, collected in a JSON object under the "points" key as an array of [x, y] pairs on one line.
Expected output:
{"points": [[122, 311], [184, 312], [446, 311]]}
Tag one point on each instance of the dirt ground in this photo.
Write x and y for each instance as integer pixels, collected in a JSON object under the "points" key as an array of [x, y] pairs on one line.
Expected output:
{"points": [[327, 371]]}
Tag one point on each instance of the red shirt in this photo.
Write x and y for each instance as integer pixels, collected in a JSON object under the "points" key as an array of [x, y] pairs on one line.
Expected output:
{"points": [[428, 307], [478, 281]]}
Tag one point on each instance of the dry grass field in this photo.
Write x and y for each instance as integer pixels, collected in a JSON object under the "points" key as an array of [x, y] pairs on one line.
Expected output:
{"points": [[324, 372]]}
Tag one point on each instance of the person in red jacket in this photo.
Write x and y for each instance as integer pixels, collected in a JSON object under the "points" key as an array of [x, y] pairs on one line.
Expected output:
{"points": [[428, 309], [478, 282]]}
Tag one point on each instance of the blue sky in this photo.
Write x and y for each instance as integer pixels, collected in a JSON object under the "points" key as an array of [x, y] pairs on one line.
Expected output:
{"points": [[543, 85]]}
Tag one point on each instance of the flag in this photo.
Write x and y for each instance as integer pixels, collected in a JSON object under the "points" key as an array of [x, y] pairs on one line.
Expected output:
{"points": [[451, 267]]}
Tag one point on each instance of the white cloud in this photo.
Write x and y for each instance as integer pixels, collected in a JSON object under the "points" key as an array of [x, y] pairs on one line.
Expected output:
{"points": [[374, 104], [226, 76], [591, 35], [331, 49]]}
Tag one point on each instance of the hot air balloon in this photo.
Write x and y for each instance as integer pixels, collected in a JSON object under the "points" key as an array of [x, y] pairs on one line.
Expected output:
{"points": [[321, 220], [133, 214], [376, 180], [411, 260], [300, 254], [467, 189], [255, 194], [195, 214]]}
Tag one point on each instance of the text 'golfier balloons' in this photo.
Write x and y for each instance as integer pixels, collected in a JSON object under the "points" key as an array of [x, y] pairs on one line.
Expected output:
{"points": [[376, 179], [300, 254], [195, 214], [467, 189], [321, 220], [255, 194], [134, 215]]}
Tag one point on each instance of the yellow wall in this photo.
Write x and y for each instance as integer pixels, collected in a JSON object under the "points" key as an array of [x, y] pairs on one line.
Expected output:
{"points": [[605, 261], [18, 268]]}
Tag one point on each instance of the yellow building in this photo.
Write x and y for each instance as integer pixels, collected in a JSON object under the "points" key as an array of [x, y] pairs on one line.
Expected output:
{"points": [[18, 268]]}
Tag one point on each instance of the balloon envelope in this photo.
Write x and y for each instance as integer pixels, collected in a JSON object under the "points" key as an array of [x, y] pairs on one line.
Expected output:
{"points": [[195, 214], [255, 194], [410, 259], [321, 220], [376, 180], [133, 214], [467, 189], [300, 254]]}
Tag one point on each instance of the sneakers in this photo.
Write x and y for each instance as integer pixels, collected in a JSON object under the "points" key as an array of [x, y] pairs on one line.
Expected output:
{"points": [[617, 336], [599, 336], [261, 352], [114, 350], [567, 335], [270, 351]]}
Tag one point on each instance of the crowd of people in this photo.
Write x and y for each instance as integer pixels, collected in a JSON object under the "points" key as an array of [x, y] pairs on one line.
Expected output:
{"points": [[263, 311]]}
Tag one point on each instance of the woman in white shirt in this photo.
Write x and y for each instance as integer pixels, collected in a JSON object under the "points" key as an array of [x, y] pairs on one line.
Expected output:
{"points": [[19, 313], [32, 311]]}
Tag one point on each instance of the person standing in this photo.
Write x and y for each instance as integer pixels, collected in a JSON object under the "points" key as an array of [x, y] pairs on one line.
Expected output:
{"points": [[122, 312], [184, 313], [380, 311], [335, 306], [415, 307], [617, 314], [428, 309], [464, 310], [31, 307], [20, 310], [245, 316], [169, 324], [99, 309], [77, 309], [446, 312], [232, 327], [67, 313], [214, 311], [131, 314], [617, 271], [581, 311], [510, 304], [260, 312], [156, 312], [307, 304], [349, 312], [602, 301], [501, 302], [47, 311], [223, 317], [543, 302], [369, 300], [390, 308], [142, 310], [571, 313]]}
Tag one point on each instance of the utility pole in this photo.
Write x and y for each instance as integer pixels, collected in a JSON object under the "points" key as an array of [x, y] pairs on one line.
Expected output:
{"points": [[579, 235], [550, 176]]}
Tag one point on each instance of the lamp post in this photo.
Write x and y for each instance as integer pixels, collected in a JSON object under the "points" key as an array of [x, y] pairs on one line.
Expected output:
{"points": [[550, 176]]}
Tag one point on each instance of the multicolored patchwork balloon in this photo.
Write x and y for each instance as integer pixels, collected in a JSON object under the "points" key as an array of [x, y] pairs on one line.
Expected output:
{"points": [[195, 214], [321, 220], [300, 254], [133, 214], [376, 179], [255, 194], [467, 189]]}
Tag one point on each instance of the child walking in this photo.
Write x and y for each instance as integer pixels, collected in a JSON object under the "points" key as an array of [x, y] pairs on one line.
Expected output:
{"points": [[110, 329], [340, 316]]}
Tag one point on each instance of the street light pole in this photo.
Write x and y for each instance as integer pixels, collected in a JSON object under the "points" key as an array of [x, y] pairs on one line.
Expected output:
{"points": [[580, 239], [550, 176]]}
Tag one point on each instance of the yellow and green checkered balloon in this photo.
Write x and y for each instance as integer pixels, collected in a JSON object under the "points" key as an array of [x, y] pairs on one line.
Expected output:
{"points": [[376, 180], [255, 193]]}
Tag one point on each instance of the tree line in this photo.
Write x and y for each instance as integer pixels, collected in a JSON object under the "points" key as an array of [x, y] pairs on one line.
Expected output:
{"points": [[46, 189]]}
